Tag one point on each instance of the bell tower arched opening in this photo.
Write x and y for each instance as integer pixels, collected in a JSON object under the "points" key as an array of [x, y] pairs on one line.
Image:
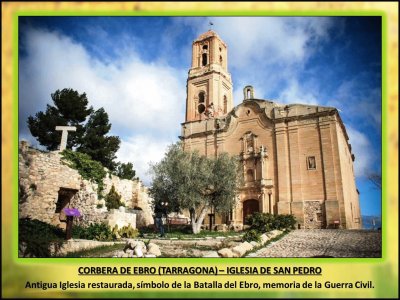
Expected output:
{"points": [[202, 97], [248, 92], [204, 59]]}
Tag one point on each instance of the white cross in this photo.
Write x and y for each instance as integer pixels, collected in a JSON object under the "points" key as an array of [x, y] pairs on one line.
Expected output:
{"points": [[64, 135]]}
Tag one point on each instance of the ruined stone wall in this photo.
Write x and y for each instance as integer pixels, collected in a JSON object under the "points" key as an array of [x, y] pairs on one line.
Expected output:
{"points": [[44, 179], [143, 201], [41, 175]]}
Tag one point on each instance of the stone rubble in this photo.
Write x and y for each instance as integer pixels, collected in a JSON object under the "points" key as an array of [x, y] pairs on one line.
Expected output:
{"points": [[135, 248]]}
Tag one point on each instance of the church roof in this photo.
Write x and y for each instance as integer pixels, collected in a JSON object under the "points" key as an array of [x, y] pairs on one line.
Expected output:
{"points": [[277, 110], [209, 33]]}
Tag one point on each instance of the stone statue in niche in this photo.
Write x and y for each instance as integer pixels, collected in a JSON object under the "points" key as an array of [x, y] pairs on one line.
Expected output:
{"points": [[250, 142], [263, 150]]}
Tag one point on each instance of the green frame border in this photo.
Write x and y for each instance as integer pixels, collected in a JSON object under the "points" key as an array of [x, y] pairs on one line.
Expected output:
{"points": [[209, 261]]}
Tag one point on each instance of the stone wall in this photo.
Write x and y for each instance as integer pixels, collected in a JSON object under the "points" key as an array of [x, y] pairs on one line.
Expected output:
{"points": [[121, 218], [314, 217], [46, 185]]}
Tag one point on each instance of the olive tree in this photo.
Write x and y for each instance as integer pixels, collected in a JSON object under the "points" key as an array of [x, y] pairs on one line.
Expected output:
{"points": [[188, 180]]}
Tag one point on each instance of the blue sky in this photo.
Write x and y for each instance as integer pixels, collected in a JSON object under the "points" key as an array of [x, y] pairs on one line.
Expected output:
{"points": [[136, 68]]}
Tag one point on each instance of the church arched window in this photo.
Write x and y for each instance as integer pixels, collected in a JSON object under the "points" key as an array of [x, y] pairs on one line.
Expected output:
{"points": [[202, 97]]}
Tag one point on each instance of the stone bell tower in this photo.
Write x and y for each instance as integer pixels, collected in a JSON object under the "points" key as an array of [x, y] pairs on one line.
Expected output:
{"points": [[209, 85]]}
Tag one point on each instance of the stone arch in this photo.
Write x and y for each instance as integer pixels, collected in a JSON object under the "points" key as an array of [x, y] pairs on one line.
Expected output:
{"points": [[64, 198], [250, 207]]}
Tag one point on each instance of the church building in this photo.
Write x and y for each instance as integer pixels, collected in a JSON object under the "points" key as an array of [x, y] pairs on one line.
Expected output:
{"points": [[296, 157]]}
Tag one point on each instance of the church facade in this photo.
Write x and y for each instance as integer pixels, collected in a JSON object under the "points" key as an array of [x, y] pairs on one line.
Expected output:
{"points": [[296, 158]]}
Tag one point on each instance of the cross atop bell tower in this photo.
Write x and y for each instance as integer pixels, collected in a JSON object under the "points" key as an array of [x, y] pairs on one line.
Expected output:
{"points": [[209, 85]]}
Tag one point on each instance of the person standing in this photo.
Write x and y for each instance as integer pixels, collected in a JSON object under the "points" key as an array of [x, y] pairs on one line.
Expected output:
{"points": [[159, 212]]}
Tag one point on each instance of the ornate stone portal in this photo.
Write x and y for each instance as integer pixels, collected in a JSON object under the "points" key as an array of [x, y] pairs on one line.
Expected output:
{"points": [[296, 158], [257, 190]]}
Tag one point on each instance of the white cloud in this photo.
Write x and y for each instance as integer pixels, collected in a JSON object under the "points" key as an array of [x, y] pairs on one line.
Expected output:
{"points": [[294, 93], [141, 150], [363, 151], [269, 40], [145, 101]]}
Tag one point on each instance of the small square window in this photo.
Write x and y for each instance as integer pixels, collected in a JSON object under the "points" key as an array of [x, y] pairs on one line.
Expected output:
{"points": [[311, 163]]}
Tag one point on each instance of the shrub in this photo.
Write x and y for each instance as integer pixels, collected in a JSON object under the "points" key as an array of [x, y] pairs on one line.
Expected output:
{"points": [[128, 232], [79, 232], [89, 169], [264, 222], [35, 238], [284, 222], [251, 235], [113, 199], [95, 231]]}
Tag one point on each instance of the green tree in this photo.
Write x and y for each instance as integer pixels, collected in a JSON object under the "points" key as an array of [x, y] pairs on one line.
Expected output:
{"points": [[125, 171], [188, 180], [70, 109], [95, 141]]}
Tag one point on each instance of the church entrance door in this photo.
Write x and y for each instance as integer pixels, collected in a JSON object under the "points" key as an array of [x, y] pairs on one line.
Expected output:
{"points": [[250, 207]]}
